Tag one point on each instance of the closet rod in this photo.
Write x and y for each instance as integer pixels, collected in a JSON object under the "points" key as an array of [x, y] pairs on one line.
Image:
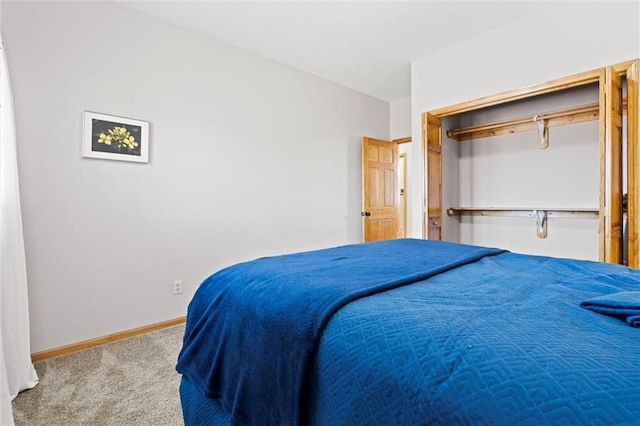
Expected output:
{"points": [[523, 212], [541, 215], [559, 117]]}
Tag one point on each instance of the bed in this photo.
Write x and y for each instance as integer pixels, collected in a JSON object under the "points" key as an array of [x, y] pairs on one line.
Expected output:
{"points": [[413, 332]]}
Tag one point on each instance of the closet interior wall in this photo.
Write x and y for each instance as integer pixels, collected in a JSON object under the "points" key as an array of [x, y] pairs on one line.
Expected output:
{"points": [[509, 171]]}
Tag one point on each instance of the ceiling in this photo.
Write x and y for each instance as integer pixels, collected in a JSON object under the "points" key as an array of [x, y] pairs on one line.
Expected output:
{"points": [[366, 46]]}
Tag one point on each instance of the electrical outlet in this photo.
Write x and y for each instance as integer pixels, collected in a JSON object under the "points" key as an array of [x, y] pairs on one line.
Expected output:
{"points": [[177, 287]]}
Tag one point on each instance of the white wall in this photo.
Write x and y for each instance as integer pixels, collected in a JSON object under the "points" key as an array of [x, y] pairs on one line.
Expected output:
{"points": [[248, 158], [541, 47], [400, 118]]}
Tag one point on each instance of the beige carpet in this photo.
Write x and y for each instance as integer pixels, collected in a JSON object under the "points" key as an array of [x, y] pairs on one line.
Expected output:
{"points": [[129, 382]]}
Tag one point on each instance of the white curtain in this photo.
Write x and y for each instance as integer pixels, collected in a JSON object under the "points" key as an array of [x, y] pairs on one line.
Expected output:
{"points": [[16, 370]]}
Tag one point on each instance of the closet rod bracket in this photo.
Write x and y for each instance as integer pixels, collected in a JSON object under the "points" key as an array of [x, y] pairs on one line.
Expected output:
{"points": [[543, 132], [541, 223]]}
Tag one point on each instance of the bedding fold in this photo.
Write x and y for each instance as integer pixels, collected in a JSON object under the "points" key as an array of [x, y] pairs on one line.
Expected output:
{"points": [[624, 304], [252, 328]]}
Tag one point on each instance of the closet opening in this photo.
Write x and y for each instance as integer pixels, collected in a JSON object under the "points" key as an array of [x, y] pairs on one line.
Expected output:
{"points": [[540, 170]]}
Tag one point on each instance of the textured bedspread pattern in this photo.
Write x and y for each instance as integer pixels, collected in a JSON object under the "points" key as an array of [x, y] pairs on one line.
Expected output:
{"points": [[502, 341], [253, 328]]}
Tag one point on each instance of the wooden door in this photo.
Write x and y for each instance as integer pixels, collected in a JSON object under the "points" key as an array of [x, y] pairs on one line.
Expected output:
{"points": [[432, 139], [610, 166], [379, 189]]}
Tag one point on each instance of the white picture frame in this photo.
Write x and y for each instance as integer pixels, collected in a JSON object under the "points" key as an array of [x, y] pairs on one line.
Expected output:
{"points": [[111, 137]]}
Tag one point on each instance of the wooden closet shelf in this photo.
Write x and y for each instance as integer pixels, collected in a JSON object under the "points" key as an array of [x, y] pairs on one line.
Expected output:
{"points": [[555, 118], [540, 214], [581, 213]]}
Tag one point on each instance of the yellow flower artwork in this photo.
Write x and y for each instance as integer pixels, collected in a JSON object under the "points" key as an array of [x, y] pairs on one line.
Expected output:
{"points": [[119, 138], [115, 138]]}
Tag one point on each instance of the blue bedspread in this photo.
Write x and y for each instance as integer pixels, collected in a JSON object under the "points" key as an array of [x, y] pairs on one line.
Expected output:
{"points": [[502, 341], [253, 328]]}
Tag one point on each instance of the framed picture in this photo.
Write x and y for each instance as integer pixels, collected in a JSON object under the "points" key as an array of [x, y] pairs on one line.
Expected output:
{"points": [[115, 138]]}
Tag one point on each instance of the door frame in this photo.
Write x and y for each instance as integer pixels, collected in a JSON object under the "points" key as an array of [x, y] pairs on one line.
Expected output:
{"points": [[402, 196]]}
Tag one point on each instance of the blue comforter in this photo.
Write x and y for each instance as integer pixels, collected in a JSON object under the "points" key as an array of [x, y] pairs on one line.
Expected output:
{"points": [[502, 341], [253, 328]]}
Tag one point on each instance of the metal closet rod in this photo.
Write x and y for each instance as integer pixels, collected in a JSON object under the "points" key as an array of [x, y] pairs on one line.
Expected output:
{"points": [[582, 213], [540, 214]]}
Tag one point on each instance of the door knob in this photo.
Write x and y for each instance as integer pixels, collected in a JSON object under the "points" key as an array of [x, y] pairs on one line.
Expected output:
{"points": [[365, 213]]}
